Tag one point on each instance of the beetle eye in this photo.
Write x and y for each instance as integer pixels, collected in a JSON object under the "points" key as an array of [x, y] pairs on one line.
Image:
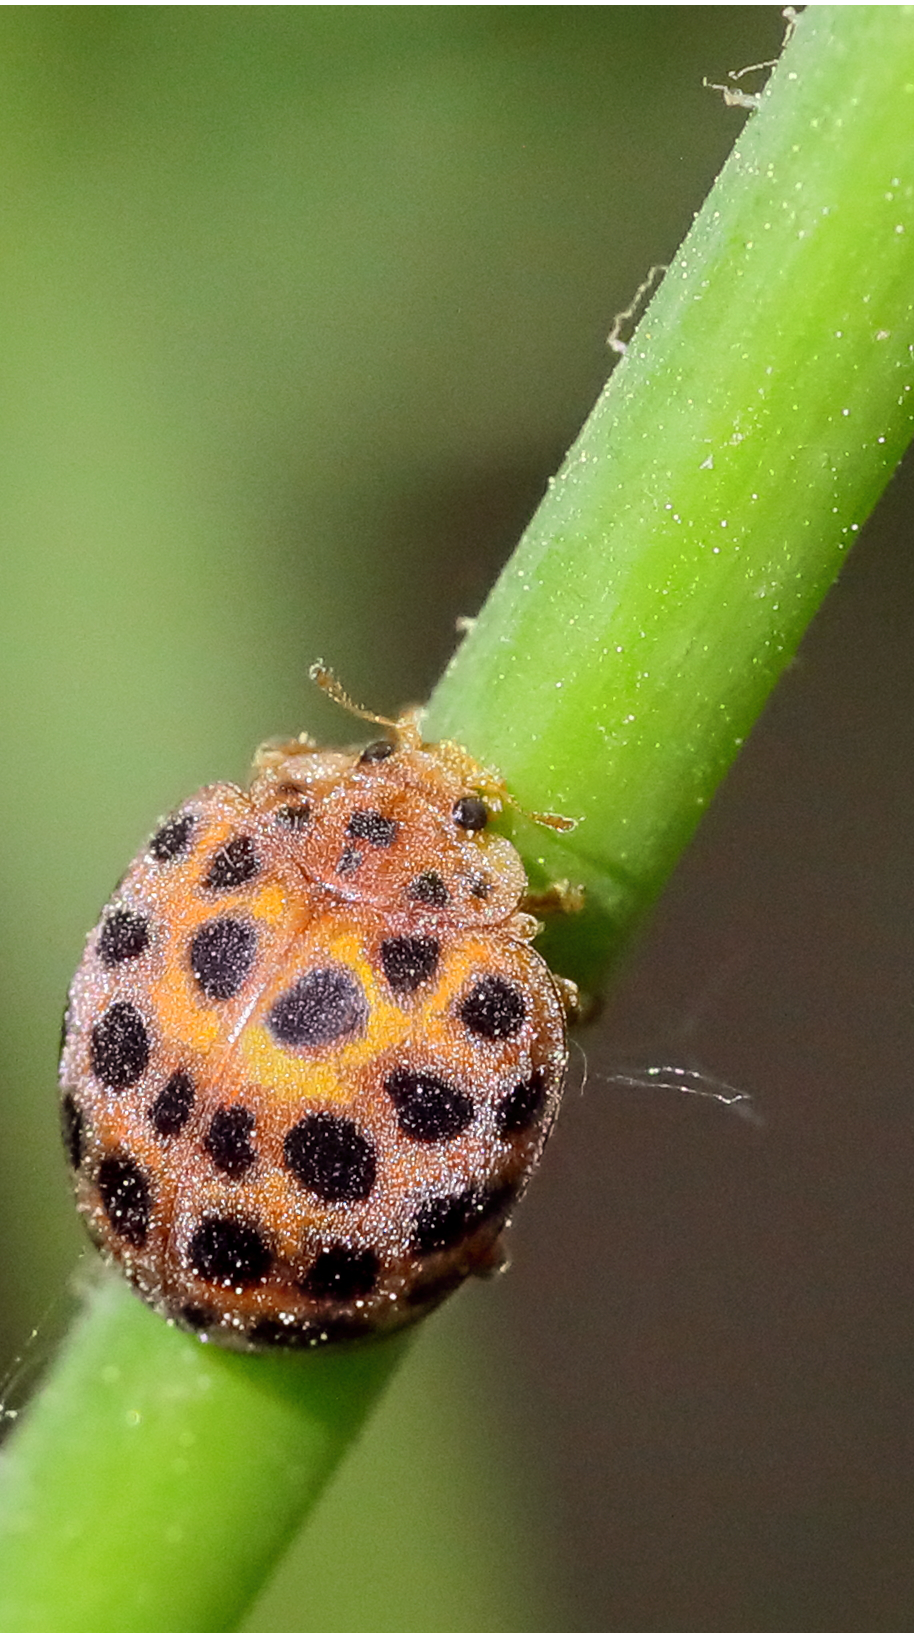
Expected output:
{"points": [[381, 750], [470, 813]]}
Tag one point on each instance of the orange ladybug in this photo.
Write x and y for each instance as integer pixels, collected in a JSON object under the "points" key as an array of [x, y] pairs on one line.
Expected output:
{"points": [[310, 1057]]}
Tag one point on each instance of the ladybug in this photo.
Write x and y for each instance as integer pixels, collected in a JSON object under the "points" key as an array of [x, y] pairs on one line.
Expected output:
{"points": [[310, 1057]]}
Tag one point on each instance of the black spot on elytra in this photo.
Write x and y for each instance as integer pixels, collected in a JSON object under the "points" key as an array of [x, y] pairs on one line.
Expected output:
{"points": [[521, 1107], [372, 826], [172, 1105], [428, 1107], [293, 817], [233, 865], [119, 1048], [470, 813], [228, 1140], [496, 1202], [349, 863], [445, 1221], [322, 1007], [493, 1009], [480, 887], [329, 1157], [123, 935], [172, 839], [429, 889], [229, 1252], [342, 1273], [73, 1128], [194, 1316], [381, 750], [409, 960], [124, 1190], [222, 956]]}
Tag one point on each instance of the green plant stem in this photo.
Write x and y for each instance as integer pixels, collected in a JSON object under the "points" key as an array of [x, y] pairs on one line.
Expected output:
{"points": [[659, 591], [157, 1480], [670, 572]]}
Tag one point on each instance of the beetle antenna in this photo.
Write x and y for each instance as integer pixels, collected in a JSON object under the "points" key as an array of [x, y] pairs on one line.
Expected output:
{"points": [[327, 681], [405, 728]]}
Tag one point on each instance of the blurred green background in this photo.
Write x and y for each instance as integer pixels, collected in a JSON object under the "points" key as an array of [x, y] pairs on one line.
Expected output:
{"points": [[300, 308]]}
